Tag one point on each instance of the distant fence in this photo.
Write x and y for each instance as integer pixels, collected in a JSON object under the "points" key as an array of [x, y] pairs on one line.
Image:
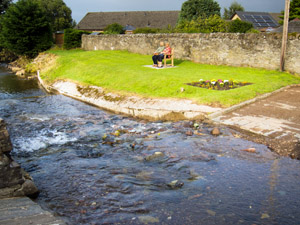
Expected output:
{"points": [[246, 50], [59, 39]]}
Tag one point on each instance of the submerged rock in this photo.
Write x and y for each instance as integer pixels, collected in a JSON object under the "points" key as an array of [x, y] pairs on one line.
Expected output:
{"points": [[215, 131], [189, 133], [251, 150], [155, 156], [148, 219], [175, 184]]}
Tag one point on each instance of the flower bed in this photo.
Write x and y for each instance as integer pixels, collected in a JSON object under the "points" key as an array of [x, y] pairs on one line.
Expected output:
{"points": [[220, 85]]}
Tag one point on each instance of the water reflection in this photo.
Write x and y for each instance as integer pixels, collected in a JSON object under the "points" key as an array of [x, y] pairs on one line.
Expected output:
{"points": [[93, 167], [14, 87]]}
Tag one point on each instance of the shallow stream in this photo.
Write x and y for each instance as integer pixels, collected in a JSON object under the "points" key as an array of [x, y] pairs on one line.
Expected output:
{"points": [[94, 167]]}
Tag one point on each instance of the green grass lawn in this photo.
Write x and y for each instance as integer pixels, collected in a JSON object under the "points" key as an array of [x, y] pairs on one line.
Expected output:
{"points": [[123, 72]]}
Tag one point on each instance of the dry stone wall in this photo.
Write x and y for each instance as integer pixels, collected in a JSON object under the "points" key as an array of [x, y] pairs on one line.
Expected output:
{"points": [[246, 50]]}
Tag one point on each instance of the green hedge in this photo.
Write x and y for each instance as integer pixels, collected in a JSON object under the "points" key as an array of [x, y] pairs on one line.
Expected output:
{"points": [[238, 26], [72, 38], [146, 30], [114, 28]]}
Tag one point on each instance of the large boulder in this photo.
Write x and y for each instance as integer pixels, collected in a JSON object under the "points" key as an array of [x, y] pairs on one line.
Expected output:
{"points": [[14, 181]]}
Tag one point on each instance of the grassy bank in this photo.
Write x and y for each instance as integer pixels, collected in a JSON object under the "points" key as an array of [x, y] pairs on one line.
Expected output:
{"points": [[123, 72]]}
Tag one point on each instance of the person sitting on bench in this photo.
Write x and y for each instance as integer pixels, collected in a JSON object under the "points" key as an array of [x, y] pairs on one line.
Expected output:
{"points": [[158, 55], [167, 51]]}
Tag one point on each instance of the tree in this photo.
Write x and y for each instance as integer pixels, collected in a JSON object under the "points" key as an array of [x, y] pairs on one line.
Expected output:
{"points": [[294, 11], [4, 4], [212, 24], [25, 29], [232, 9], [193, 9], [58, 14]]}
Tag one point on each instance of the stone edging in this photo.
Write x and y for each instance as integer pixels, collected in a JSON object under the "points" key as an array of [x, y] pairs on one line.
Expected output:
{"points": [[151, 109], [144, 108]]}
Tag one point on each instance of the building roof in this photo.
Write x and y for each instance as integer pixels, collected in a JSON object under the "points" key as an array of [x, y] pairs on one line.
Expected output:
{"points": [[129, 27], [294, 27], [258, 19], [155, 19]]}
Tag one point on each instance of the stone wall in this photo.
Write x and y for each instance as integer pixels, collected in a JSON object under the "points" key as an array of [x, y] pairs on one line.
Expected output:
{"points": [[14, 181], [246, 50]]}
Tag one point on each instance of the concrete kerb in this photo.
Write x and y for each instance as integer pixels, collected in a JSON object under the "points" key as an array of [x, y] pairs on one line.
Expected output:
{"points": [[138, 107], [213, 116]]}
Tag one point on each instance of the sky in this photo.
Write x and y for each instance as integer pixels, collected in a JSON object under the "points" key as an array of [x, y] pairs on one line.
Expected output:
{"points": [[80, 8]]}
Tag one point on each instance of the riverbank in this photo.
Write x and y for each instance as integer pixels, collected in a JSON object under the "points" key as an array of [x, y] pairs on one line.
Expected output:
{"points": [[27, 68], [137, 107]]}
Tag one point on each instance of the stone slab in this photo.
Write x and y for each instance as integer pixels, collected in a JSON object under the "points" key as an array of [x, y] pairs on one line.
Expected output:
{"points": [[20, 211]]}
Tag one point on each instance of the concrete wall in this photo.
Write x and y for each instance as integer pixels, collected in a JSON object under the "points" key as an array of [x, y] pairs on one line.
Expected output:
{"points": [[249, 50]]}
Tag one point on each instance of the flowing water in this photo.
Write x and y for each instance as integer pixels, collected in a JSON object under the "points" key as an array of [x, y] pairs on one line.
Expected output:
{"points": [[94, 167]]}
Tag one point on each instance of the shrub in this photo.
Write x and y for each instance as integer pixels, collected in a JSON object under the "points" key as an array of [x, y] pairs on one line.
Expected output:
{"points": [[186, 26], [211, 24], [167, 30], [238, 26], [114, 28], [253, 31], [146, 30], [72, 38], [7, 56], [214, 24]]}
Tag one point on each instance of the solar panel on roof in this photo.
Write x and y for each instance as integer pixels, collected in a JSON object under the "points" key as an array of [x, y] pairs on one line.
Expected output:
{"points": [[266, 17], [260, 20]]}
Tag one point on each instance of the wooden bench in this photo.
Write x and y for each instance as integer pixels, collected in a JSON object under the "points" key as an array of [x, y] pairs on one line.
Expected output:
{"points": [[171, 57]]}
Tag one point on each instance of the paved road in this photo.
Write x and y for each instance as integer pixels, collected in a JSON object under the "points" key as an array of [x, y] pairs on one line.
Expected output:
{"points": [[276, 116], [23, 211]]}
